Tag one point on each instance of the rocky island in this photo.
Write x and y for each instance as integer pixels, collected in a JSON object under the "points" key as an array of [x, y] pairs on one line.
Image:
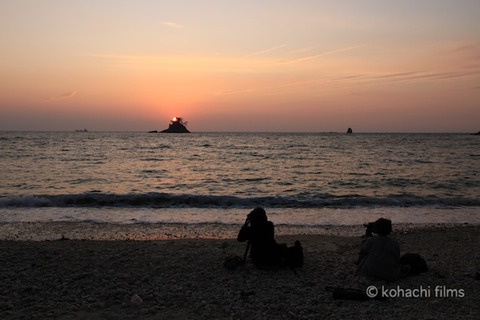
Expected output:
{"points": [[177, 125]]}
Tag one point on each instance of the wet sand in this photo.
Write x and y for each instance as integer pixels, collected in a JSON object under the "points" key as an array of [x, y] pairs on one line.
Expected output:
{"points": [[180, 277]]}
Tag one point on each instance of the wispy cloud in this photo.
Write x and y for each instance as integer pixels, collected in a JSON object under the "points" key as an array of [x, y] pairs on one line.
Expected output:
{"points": [[401, 75], [472, 47], [265, 51], [417, 75], [62, 96], [357, 80], [469, 54], [230, 92], [172, 25], [323, 54], [302, 50]]}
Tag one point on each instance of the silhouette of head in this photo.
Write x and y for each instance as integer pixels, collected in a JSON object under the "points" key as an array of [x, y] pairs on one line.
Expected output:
{"points": [[383, 226], [257, 216]]}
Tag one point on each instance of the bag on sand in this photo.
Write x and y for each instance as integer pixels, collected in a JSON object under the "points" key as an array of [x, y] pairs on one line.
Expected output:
{"points": [[232, 262], [415, 261], [294, 256], [340, 293]]}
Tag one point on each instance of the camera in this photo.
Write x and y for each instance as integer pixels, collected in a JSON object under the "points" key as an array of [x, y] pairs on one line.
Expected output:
{"points": [[370, 229]]}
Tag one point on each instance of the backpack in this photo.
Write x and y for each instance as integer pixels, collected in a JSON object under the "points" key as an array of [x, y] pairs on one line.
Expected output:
{"points": [[294, 256], [415, 261]]}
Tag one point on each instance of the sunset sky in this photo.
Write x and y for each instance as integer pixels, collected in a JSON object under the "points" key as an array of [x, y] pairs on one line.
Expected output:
{"points": [[283, 65]]}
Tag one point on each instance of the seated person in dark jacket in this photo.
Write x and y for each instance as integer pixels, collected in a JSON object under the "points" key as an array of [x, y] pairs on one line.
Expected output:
{"points": [[265, 251], [380, 254]]}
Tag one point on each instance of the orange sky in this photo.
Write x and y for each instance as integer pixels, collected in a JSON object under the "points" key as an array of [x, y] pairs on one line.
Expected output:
{"points": [[375, 66]]}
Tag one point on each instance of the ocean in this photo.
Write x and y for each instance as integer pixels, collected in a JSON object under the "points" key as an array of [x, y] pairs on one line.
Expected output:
{"points": [[301, 179]]}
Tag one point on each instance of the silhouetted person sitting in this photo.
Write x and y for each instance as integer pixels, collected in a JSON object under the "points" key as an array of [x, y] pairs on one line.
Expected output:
{"points": [[380, 254], [265, 251]]}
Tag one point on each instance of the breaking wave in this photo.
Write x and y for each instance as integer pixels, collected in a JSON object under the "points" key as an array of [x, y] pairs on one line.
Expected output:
{"points": [[166, 200]]}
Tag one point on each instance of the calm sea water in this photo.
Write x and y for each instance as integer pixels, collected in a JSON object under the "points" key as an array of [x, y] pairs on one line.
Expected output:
{"points": [[301, 178]]}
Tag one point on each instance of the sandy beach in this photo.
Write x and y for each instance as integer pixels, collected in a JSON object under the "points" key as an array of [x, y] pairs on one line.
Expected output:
{"points": [[185, 279]]}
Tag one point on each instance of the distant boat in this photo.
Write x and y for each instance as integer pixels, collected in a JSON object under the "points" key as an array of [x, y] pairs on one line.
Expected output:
{"points": [[81, 130], [349, 130], [476, 134], [177, 125]]}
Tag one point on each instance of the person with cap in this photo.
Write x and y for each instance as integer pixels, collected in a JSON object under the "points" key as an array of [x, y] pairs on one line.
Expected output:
{"points": [[265, 252], [380, 254]]}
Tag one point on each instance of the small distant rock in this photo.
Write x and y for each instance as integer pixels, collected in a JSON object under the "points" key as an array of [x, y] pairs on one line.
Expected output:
{"points": [[63, 238], [136, 300]]}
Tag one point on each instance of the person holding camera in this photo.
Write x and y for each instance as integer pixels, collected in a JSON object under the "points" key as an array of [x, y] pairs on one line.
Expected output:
{"points": [[380, 254], [265, 252]]}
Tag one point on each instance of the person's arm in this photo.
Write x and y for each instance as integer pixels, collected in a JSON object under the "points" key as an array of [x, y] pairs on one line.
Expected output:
{"points": [[271, 230], [363, 250], [244, 234]]}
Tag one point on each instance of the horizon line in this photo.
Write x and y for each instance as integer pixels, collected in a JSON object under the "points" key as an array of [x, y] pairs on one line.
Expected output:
{"points": [[263, 132]]}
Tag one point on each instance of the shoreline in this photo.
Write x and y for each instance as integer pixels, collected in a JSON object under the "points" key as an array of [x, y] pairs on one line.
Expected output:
{"points": [[183, 278], [84, 230]]}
